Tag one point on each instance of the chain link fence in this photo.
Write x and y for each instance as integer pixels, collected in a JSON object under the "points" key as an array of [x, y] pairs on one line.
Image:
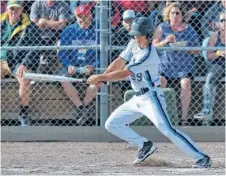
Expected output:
{"points": [[47, 37]]}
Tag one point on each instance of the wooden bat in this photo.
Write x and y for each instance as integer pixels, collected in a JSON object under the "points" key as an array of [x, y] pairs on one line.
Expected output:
{"points": [[50, 78]]}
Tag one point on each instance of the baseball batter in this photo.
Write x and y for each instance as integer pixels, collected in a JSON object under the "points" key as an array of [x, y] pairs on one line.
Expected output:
{"points": [[149, 100]]}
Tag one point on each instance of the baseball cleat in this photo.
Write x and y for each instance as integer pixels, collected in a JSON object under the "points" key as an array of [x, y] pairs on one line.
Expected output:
{"points": [[203, 163], [146, 151]]}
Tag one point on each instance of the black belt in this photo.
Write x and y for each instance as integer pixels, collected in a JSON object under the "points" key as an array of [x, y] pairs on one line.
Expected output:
{"points": [[142, 91]]}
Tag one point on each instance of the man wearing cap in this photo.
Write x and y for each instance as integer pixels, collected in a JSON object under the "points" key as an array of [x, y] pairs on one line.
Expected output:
{"points": [[121, 36], [79, 62], [17, 30]]}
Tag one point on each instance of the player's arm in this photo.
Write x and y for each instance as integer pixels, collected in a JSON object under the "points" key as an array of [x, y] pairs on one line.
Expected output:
{"points": [[120, 62], [115, 68], [117, 64], [113, 73]]}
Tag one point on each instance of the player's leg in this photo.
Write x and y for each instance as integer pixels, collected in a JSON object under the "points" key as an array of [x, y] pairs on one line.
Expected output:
{"points": [[119, 120], [118, 124], [155, 110]]}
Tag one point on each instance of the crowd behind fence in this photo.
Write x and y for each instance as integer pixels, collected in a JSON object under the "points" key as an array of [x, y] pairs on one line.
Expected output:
{"points": [[81, 38]]}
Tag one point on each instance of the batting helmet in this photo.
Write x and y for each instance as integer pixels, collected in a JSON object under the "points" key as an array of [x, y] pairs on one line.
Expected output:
{"points": [[141, 26]]}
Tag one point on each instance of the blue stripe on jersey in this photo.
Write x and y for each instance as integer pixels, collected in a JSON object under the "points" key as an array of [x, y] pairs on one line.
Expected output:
{"points": [[142, 60], [159, 105], [148, 76]]}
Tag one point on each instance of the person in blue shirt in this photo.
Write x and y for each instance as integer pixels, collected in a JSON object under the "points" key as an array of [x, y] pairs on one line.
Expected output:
{"points": [[79, 62], [216, 70], [177, 67]]}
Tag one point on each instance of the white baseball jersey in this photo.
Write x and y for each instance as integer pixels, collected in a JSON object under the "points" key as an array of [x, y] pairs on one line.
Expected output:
{"points": [[144, 65]]}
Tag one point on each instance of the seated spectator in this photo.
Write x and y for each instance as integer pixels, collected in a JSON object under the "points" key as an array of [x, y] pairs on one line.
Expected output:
{"points": [[79, 62], [209, 21], [75, 3], [121, 36], [17, 30], [51, 17], [176, 67], [216, 70]]}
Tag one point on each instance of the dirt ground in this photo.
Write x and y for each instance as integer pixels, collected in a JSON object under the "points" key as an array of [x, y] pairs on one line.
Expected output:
{"points": [[77, 158]]}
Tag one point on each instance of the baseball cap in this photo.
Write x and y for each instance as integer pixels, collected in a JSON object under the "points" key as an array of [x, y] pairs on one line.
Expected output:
{"points": [[83, 9], [129, 14], [141, 26], [14, 3]]}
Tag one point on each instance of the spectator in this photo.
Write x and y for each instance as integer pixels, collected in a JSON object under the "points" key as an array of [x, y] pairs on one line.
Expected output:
{"points": [[176, 66], [76, 3], [17, 30], [216, 70], [121, 37], [78, 62], [209, 21], [51, 17]]}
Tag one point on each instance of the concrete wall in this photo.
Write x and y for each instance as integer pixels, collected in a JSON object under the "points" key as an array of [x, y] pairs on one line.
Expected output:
{"points": [[98, 134]]}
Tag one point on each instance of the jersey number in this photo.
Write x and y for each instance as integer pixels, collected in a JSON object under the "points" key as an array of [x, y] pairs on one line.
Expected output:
{"points": [[137, 77]]}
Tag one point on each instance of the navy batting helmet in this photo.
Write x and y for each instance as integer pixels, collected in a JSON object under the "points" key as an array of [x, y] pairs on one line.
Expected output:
{"points": [[141, 26]]}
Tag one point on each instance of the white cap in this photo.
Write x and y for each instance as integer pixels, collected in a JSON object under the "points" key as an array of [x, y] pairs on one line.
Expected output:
{"points": [[129, 14]]}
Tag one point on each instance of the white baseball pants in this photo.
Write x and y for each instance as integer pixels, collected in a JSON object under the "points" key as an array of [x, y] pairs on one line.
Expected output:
{"points": [[153, 106]]}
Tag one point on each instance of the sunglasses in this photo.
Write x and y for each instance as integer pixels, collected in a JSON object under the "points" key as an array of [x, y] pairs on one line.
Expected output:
{"points": [[222, 20], [175, 13]]}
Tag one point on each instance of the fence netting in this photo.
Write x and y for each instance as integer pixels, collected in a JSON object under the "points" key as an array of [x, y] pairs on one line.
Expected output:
{"points": [[193, 81]]}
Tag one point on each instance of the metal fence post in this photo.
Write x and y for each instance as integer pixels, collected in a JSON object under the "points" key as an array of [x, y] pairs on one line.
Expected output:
{"points": [[104, 41]]}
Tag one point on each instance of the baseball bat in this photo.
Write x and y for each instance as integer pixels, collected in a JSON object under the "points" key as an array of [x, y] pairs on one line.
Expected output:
{"points": [[52, 78]]}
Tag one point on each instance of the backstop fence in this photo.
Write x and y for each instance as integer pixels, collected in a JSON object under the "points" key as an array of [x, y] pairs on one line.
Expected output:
{"points": [[193, 83]]}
